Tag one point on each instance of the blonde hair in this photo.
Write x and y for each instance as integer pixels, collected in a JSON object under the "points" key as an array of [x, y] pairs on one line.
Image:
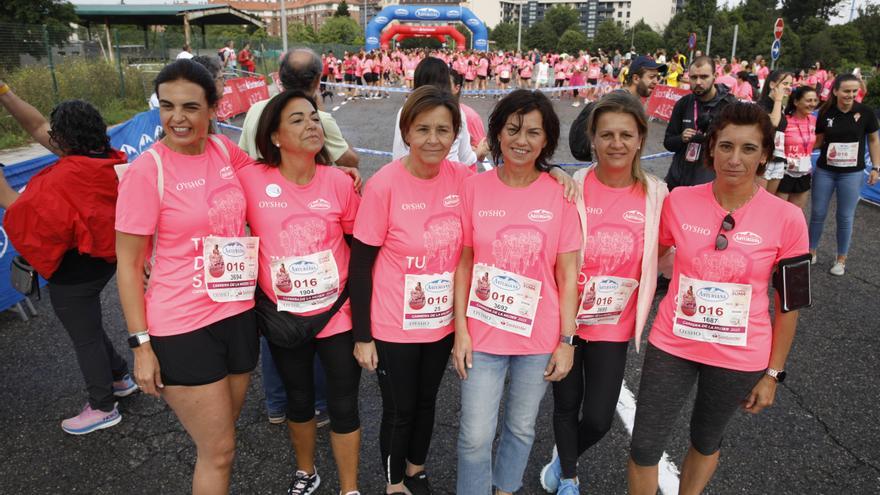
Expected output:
{"points": [[619, 102]]}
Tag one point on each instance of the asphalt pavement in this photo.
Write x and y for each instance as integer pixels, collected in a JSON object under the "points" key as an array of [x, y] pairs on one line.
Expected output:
{"points": [[820, 437]]}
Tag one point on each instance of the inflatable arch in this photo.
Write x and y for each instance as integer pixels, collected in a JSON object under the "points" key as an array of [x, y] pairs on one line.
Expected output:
{"points": [[404, 31], [433, 13]]}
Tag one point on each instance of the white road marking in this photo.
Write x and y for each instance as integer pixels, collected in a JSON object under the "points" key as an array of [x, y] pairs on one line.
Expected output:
{"points": [[336, 107], [668, 472]]}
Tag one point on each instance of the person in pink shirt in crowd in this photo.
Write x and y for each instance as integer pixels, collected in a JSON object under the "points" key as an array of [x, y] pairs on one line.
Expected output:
{"points": [[409, 70], [515, 293], [193, 332], [594, 75], [578, 78], [407, 241], [762, 71], [800, 136], [714, 328], [377, 76], [504, 72], [368, 75], [743, 89], [619, 212], [525, 73], [483, 74], [812, 79], [825, 91], [821, 74], [470, 75], [727, 77], [559, 70], [302, 210]]}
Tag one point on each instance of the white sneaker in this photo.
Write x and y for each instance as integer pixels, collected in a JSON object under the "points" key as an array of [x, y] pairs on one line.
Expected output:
{"points": [[576, 104], [813, 259], [838, 269]]}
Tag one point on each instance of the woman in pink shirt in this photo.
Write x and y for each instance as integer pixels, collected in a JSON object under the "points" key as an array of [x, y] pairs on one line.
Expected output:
{"points": [[800, 136], [620, 216], [743, 90], [515, 293], [303, 211], [504, 72], [407, 241], [714, 328], [483, 73], [194, 333]]}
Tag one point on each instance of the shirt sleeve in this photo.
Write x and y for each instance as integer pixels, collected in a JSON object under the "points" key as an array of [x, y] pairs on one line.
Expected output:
{"points": [[238, 158], [665, 237], [795, 239], [466, 154], [571, 237], [466, 213], [333, 140], [137, 209], [871, 125], [399, 149], [350, 203], [371, 222]]}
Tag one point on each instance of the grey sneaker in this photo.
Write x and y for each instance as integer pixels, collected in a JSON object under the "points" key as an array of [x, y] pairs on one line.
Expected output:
{"points": [[304, 483], [838, 269]]}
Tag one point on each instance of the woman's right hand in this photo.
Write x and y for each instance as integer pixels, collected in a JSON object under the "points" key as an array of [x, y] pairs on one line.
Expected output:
{"points": [[366, 355], [146, 370], [462, 354]]}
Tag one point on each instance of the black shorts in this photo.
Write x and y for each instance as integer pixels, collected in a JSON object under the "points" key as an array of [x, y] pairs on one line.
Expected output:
{"points": [[795, 185], [349, 78], [368, 77], [592, 81], [482, 78], [228, 347], [504, 80]]}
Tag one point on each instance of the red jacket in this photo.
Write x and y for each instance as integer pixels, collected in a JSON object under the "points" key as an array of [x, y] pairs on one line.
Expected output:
{"points": [[69, 205]]}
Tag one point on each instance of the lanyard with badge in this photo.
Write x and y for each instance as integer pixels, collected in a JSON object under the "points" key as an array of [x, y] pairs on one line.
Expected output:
{"points": [[305, 283], [504, 300], [801, 163], [231, 267], [693, 149]]}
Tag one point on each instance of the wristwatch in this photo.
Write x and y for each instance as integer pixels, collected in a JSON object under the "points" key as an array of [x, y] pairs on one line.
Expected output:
{"points": [[567, 339], [138, 339], [778, 375]]}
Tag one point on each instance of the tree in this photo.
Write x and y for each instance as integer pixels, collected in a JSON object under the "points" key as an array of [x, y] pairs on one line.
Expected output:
{"points": [[342, 30], [696, 17], [504, 35], [866, 23], [541, 36], [302, 33], [26, 19], [645, 39], [572, 41], [609, 36], [562, 19], [342, 10], [797, 12]]}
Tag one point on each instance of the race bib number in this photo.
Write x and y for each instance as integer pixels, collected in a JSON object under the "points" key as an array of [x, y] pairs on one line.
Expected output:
{"points": [[503, 299], [712, 312], [427, 301], [505, 74], [231, 267], [410, 73], [305, 283], [604, 300], [779, 145], [842, 155], [693, 152], [799, 164]]}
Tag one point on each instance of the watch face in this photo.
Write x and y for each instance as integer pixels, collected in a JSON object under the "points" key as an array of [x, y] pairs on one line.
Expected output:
{"points": [[780, 377]]}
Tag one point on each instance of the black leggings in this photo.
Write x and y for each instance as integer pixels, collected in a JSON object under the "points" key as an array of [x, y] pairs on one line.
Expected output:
{"points": [[296, 368], [666, 383], [409, 377], [592, 387], [78, 306], [559, 83]]}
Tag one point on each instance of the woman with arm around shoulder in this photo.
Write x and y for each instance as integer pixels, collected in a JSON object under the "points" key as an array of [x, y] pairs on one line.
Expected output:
{"points": [[713, 327], [620, 213], [196, 342], [515, 293], [407, 241], [841, 131], [304, 211]]}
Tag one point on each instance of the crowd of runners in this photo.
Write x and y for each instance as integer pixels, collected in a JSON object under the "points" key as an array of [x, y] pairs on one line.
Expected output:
{"points": [[274, 249]]}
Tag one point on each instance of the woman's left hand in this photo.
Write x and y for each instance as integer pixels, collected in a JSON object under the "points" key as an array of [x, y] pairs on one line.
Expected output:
{"points": [[355, 176], [873, 177], [569, 186], [762, 395], [560, 363]]}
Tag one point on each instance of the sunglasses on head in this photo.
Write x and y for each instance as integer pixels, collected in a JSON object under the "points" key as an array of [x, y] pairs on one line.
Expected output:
{"points": [[726, 226]]}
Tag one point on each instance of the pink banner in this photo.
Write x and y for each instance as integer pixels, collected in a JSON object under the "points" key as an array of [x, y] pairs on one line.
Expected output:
{"points": [[240, 94], [662, 100]]}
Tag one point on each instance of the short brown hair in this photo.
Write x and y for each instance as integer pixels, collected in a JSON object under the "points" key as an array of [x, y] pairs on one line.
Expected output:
{"points": [[426, 98], [743, 114], [270, 121]]}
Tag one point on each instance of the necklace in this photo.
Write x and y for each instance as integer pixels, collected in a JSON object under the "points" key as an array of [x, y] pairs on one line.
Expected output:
{"points": [[754, 191]]}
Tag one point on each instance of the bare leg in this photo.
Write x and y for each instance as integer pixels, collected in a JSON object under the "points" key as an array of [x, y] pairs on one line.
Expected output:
{"points": [[642, 479], [346, 450], [696, 471], [238, 385], [799, 199], [302, 436], [773, 185]]}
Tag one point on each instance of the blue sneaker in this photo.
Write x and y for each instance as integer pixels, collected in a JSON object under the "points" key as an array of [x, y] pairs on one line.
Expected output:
{"points": [[551, 474], [568, 486], [124, 386]]}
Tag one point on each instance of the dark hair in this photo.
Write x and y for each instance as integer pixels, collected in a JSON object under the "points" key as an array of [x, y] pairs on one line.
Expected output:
{"points": [[831, 102], [704, 60], [210, 63], [519, 103], [773, 77], [270, 121], [424, 99], [743, 75], [77, 128], [193, 72], [432, 71], [619, 102], [743, 114], [797, 94], [457, 78], [299, 76]]}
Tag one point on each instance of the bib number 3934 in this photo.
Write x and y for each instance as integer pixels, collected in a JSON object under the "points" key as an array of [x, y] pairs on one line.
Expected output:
{"points": [[305, 283], [712, 312], [504, 300], [427, 301], [231, 267]]}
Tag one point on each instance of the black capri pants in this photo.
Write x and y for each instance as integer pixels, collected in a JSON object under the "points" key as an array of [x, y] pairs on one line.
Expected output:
{"points": [[666, 383], [296, 368]]}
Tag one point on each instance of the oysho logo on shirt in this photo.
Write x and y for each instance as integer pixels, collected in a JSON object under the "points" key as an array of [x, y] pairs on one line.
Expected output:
{"points": [[686, 227], [748, 238], [540, 215], [413, 206], [191, 184], [319, 204], [227, 172], [451, 201], [273, 190], [634, 216], [593, 211], [491, 213], [272, 204]]}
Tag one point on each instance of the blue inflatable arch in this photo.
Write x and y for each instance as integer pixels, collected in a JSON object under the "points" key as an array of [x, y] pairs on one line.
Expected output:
{"points": [[426, 14]]}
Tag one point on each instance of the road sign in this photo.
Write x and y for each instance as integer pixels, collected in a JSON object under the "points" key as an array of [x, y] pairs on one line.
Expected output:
{"points": [[692, 41], [778, 27], [775, 49]]}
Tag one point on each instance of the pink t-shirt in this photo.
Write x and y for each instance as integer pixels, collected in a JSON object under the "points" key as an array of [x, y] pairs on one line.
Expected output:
{"points": [[519, 230], [727, 80], [416, 223], [559, 70], [800, 135], [763, 72], [594, 72], [483, 67], [743, 90], [768, 229], [526, 71], [202, 197], [474, 124], [615, 243], [294, 220]]}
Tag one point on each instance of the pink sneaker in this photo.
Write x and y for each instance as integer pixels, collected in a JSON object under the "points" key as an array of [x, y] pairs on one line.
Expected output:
{"points": [[90, 420]]}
